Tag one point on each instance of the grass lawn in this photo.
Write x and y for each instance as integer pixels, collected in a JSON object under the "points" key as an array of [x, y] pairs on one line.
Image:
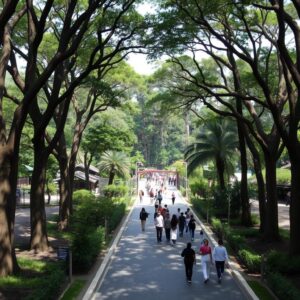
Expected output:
{"points": [[38, 280], [74, 290]]}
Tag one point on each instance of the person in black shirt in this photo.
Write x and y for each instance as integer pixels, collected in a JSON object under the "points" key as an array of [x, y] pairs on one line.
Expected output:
{"points": [[189, 260], [143, 218]]}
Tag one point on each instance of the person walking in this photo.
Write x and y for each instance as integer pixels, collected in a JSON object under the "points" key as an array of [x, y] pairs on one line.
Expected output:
{"points": [[189, 260], [173, 198], [181, 224], [167, 226], [174, 223], [141, 195], [187, 219], [192, 227], [206, 259], [159, 197], [201, 237], [143, 217], [159, 225], [220, 257]]}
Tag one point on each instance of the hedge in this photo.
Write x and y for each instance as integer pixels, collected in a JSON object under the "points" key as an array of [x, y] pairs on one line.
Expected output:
{"points": [[251, 260]]}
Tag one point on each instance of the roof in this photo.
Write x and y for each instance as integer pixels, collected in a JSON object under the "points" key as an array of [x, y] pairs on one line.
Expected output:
{"points": [[81, 175], [92, 168]]}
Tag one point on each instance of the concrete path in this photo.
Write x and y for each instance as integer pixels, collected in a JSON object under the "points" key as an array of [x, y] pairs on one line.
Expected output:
{"points": [[283, 213], [141, 269]]}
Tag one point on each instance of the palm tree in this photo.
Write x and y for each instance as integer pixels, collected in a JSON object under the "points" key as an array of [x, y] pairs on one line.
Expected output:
{"points": [[217, 142], [115, 163]]}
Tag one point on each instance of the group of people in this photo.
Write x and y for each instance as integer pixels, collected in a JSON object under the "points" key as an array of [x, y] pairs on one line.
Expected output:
{"points": [[185, 222], [219, 256]]}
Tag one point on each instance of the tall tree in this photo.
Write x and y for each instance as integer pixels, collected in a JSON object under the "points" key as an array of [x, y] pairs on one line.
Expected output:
{"points": [[221, 33]]}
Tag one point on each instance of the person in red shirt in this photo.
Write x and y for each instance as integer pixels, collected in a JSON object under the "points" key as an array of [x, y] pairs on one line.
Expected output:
{"points": [[206, 259]]}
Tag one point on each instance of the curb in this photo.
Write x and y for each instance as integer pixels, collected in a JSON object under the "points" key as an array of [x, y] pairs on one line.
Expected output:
{"points": [[97, 280], [242, 283]]}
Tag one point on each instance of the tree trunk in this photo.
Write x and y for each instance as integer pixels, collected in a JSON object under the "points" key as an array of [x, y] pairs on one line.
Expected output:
{"points": [[111, 177], [8, 184], [86, 172], [261, 194], [65, 206], [39, 238], [221, 169], [295, 207], [260, 182], [271, 232], [246, 214]]}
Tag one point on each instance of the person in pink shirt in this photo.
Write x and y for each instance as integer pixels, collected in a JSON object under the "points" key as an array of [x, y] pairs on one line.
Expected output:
{"points": [[206, 259]]}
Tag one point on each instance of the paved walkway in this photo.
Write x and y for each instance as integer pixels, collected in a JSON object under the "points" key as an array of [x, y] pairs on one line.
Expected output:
{"points": [[142, 269]]}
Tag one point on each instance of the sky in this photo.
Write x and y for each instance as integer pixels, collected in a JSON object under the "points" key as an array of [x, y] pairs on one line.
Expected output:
{"points": [[140, 64]]}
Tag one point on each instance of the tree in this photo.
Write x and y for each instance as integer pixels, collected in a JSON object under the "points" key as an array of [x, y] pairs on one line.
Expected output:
{"points": [[217, 142], [222, 33], [115, 164], [110, 131], [69, 24]]}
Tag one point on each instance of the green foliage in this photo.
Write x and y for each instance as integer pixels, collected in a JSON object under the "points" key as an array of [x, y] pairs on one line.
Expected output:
{"points": [[115, 190], [81, 196], [91, 219], [282, 287], [217, 227], [261, 292], [221, 198], [251, 260], [74, 290], [201, 205], [37, 280], [283, 263], [200, 187], [114, 163], [86, 245], [235, 241], [217, 141], [283, 176]]}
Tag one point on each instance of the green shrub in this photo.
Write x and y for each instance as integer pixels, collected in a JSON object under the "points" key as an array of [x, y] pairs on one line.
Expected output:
{"points": [[221, 198], [282, 287], [199, 187], [115, 190], [82, 196], [85, 247], [217, 227], [201, 205], [283, 263], [116, 216], [235, 241], [283, 176], [251, 260], [90, 216]]}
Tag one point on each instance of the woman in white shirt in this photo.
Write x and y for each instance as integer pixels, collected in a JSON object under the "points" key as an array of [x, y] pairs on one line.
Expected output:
{"points": [[220, 256]]}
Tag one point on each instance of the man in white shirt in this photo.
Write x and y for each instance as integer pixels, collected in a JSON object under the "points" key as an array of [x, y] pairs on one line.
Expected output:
{"points": [[220, 256], [159, 224]]}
